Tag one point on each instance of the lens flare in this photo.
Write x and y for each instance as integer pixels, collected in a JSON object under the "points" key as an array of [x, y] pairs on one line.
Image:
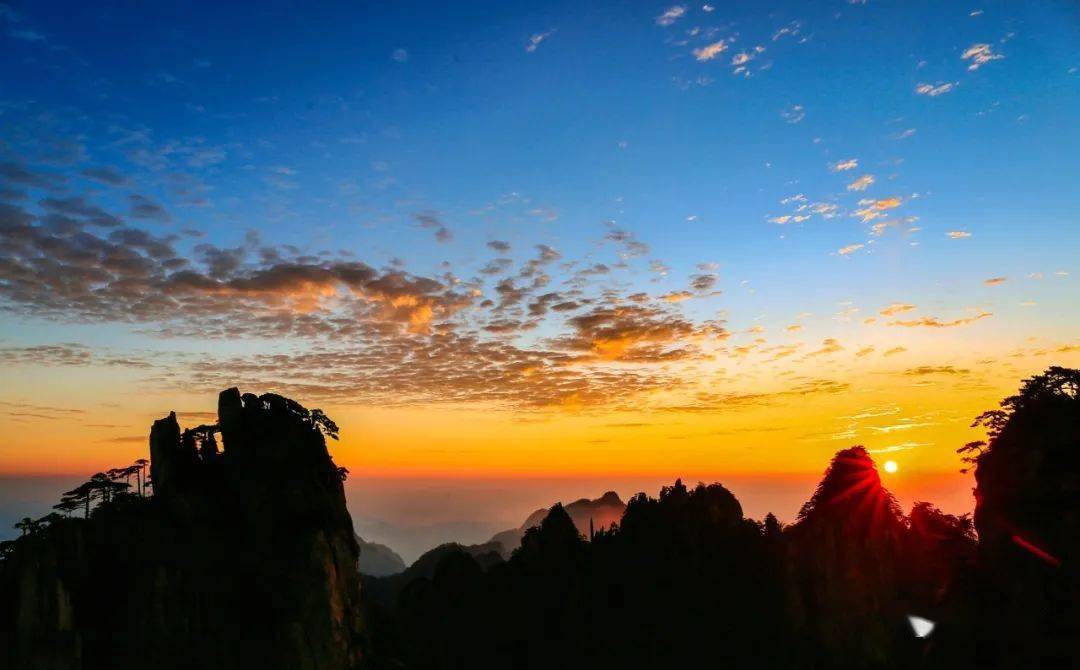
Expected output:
{"points": [[891, 467]]}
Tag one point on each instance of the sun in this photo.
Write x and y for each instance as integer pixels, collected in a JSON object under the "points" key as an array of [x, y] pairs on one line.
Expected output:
{"points": [[891, 467]]}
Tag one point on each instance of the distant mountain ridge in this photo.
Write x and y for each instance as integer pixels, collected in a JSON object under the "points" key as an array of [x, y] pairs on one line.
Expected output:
{"points": [[598, 514], [378, 560]]}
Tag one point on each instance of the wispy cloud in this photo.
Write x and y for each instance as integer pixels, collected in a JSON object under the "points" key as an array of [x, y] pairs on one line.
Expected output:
{"points": [[671, 15], [794, 114], [535, 40], [897, 308], [979, 55], [934, 322], [934, 90], [711, 51], [862, 183]]}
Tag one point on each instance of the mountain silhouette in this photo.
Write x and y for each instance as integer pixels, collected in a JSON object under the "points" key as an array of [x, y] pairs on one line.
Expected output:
{"points": [[587, 515], [242, 557], [378, 560]]}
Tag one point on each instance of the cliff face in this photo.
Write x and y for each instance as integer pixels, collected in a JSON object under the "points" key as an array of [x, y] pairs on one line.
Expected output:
{"points": [[243, 557]]}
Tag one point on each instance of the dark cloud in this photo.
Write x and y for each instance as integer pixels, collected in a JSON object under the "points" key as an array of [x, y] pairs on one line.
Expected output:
{"points": [[431, 221], [78, 207], [635, 333], [15, 173], [146, 209], [105, 175]]}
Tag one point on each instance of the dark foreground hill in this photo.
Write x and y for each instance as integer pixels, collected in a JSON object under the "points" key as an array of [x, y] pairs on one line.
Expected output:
{"points": [[243, 557], [686, 580], [246, 557]]}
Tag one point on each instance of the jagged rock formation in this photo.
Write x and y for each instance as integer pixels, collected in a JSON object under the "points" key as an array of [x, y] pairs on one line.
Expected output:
{"points": [[243, 557], [587, 515]]}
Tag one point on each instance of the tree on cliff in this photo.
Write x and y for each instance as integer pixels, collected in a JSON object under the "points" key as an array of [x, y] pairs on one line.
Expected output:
{"points": [[1028, 487], [26, 526]]}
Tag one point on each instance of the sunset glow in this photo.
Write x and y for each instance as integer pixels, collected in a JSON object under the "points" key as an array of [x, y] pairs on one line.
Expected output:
{"points": [[633, 243]]}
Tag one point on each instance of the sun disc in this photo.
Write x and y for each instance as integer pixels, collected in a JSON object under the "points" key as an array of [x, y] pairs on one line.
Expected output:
{"points": [[891, 467]]}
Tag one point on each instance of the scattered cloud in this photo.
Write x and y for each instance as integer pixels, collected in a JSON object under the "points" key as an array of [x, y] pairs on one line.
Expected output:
{"points": [[897, 308], [995, 281], [934, 90], [536, 39], [862, 183], [841, 166], [979, 55], [432, 221], [934, 322], [671, 15], [793, 114], [711, 51], [958, 234], [924, 370]]}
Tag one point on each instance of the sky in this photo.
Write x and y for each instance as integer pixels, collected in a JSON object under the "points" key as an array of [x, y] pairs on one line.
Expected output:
{"points": [[529, 251]]}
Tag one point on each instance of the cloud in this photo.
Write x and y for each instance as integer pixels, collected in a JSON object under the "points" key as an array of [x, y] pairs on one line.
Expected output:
{"points": [[65, 355], [629, 245], [635, 333], [76, 207], [995, 281], [849, 249], [829, 346], [905, 446], [27, 35], [499, 245], [400, 55], [865, 351], [957, 234], [925, 370], [16, 173], [677, 296], [894, 351], [793, 114], [671, 15], [431, 221], [934, 322], [897, 308], [862, 183], [536, 39], [979, 55], [711, 51], [934, 90], [871, 209], [146, 209], [841, 166], [106, 175], [713, 402], [46, 355]]}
